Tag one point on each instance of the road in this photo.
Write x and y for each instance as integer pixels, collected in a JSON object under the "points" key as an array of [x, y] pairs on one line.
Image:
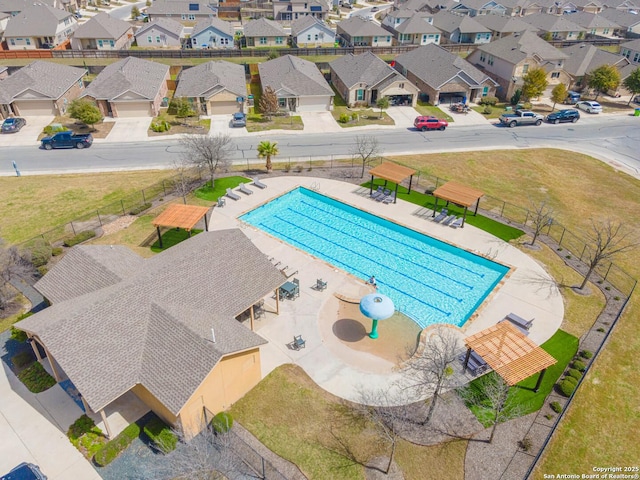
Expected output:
{"points": [[124, 12], [613, 139]]}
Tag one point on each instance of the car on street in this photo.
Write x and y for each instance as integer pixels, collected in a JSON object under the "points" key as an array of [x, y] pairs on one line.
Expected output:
{"points": [[521, 117], [67, 139], [568, 115], [239, 120], [589, 106], [25, 471], [13, 125], [375, 9], [425, 123], [637, 99]]}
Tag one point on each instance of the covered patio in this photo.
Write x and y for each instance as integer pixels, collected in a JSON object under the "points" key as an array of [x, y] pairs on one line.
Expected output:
{"points": [[181, 216], [392, 172], [458, 194]]}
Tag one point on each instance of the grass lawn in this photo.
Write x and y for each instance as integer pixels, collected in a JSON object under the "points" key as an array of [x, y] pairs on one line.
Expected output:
{"points": [[219, 188], [257, 123], [172, 237], [427, 109], [180, 125], [20, 304], [99, 130], [366, 116], [36, 378], [86, 437]]}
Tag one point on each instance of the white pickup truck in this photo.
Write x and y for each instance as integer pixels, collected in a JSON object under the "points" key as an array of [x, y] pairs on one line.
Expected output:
{"points": [[521, 117]]}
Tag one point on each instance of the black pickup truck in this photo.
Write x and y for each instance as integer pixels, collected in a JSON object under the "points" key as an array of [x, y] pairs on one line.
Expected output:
{"points": [[67, 140]]}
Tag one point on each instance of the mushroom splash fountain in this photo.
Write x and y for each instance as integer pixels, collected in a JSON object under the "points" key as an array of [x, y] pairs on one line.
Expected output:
{"points": [[377, 307]]}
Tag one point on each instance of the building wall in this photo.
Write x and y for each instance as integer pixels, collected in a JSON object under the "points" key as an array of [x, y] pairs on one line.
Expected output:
{"points": [[212, 38], [154, 404], [418, 39], [122, 43], [25, 43], [401, 87], [166, 39], [224, 96], [269, 41], [74, 92], [308, 38]]}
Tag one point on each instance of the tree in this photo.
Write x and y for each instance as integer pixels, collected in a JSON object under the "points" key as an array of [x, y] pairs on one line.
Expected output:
{"points": [[211, 152], [268, 102], [541, 216], [85, 110], [603, 79], [182, 107], [135, 12], [607, 240], [534, 83], [366, 149], [632, 83], [12, 267], [558, 94], [382, 103], [186, 178], [267, 149]]}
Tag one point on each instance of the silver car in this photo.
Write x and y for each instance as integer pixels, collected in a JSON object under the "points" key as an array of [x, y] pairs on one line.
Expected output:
{"points": [[589, 106]]}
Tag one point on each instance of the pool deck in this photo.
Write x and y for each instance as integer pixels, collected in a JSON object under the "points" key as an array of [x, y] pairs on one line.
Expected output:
{"points": [[527, 290]]}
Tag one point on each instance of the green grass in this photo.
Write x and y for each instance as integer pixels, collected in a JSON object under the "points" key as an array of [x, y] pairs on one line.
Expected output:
{"points": [[219, 188], [36, 378], [255, 89], [368, 116], [257, 123], [427, 109], [161, 435], [86, 437], [110, 451], [172, 237], [496, 110]]}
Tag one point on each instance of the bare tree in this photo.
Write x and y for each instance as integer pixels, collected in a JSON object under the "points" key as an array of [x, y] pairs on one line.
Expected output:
{"points": [[268, 102], [12, 267], [541, 216], [211, 152], [366, 149], [186, 177], [607, 240]]}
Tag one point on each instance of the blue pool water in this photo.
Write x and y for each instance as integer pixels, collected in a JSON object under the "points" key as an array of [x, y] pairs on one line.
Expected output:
{"points": [[428, 280]]}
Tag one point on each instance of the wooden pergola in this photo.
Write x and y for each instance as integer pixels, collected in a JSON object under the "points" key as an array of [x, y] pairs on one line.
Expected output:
{"points": [[459, 194], [392, 172], [181, 216], [510, 353]]}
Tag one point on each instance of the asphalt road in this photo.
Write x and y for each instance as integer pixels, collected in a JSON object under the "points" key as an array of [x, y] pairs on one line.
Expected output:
{"points": [[614, 139]]}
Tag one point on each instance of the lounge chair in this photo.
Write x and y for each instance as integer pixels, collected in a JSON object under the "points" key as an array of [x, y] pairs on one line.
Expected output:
{"points": [[258, 183], [457, 223], [232, 195], [448, 220], [245, 190], [389, 198], [221, 202], [441, 216], [377, 193], [519, 321], [384, 195], [320, 285], [476, 363], [298, 342]]}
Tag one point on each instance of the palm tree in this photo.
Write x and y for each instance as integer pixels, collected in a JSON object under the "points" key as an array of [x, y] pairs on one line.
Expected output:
{"points": [[267, 149]]}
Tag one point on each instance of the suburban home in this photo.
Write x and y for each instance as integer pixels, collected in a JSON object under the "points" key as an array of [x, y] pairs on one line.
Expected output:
{"points": [[213, 33], [40, 88], [507, 59], [556, 27], [103, 32], [363, 79], [628, 23], [265, 33], [298, 83], [589, 6], [39, 26], [460, 28], [163, 329], [595, 25], [162, 33], [356, 31], [287, 11], [631, 51], [187, 12], [475, 8], [4, 20], [502, 25], [130, 87], [213, 88], [428, 6], [4, 72], [310, 32], [411, 28], [583, 58], [444, 77]]}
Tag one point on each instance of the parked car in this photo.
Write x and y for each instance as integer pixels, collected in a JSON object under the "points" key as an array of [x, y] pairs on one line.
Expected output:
{"points": [[13, 125], [572, 98], [430, 123], [67, 140], [589, 106], [637, 99], [521, 117], [25, 471], [568, 115], [239, 120], [375, 9]]}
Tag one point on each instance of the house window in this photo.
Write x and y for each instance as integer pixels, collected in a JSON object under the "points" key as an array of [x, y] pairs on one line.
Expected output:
{"points": [[150, 39], [13, 42], [490, 61], [100, 43], [555, 74], [605, 31], [483, 57], [158, 39], [401, 85], [525, 68], [112, 43], [183, 16], [28, 40], [388, 38], [309, 37], [263, 40], [278, 40], [375, 39], [593, 31], [192, 17], [282, 102], [625, 52], [424, 37], [636, 58], [485, 91], [359, 95], [224, 41], [316, 37]]}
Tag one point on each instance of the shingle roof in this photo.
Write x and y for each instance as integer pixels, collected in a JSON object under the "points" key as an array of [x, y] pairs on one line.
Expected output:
{"points": [[448, 22], [620, 17], [178, 7], [632, 45], [504, 24], [357, 26], [552, 23], [130, 74], [210, 78], [515, 48], [221, 25], [103, 26], [154, 327], [583, 58], [402, 12], [37, 20], [364, 68], [416, 24], [51, 80], [293, 76], [263, 28], [591, 20], [306, 22], [167, 24], [436, 66]]}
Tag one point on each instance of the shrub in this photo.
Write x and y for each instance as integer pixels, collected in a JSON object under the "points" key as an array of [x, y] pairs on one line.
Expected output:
{"points": [[487, 110], [85, 436], [527, 106], [572, 372], [161, 435], [43, 270], [607, 288], [556, 407], [566, 388], [160, 126], [344, 118], [600, 329], [222, 422], [79, 238], [548, 416], [354, 116], [488, 101], [36, 378], [22, 359], [586, 354], [571, 380], [580, 366], [525, 444], [55, 251], [112, 449], [51, 129], [139, 209], [18, 335], [40, 253]]}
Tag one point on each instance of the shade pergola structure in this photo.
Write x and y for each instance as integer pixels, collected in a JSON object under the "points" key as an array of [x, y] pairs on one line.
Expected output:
{"points": [[181, 216], [459, 194], [392, 172], [510, 353]]}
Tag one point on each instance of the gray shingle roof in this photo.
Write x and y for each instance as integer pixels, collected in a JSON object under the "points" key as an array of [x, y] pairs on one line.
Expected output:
{"points": [[305, 22], [364, 68], [448, 22], [357, 26], [178, 7], [583, 58], [130, 74], [103, 26], [632, 45], [436, 66], [263, 28], [402, 12], [552, 23], [37, 20], [210, 78], [619, 17], [591, 20], [504, 24], [515, 48], [293, 76], [416, 24], [221, 25], [51, 80], [171, 26], [154, 327]]}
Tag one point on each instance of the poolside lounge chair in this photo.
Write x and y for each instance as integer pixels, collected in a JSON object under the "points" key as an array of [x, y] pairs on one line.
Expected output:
{"points": [[258, 183], [320, 285], [448, 220], [377, 193], [298, 342], [384, 195], [245, 190], [456, 223], [221, 202], [441, 216], [476, 363], [232, 195], [389, 198], [519, 321]]}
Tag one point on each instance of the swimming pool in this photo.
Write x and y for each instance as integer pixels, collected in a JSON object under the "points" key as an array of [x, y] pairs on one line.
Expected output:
{"points": [[428, 280]]}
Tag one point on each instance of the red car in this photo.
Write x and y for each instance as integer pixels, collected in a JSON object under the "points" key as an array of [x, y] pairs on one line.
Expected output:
{"points": [[430, 123]]}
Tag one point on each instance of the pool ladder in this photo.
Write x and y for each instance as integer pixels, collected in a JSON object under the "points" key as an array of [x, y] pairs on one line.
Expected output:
{"points": [[315, 186]]}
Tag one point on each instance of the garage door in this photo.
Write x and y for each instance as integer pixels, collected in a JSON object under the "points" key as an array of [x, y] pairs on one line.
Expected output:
{"points": [[221, 108], [37, 107], [313, 104], [133, 109]]}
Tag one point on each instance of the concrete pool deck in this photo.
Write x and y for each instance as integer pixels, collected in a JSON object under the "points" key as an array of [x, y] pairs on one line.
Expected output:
{"points": [[527, 290]]}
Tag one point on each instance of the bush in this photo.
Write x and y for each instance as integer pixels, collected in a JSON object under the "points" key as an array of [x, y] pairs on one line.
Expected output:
{"points": [[525, 444], [344, 118], [566, 387], [488, 101], [51, 129], [22, 359], [222, 422], [354, 116], [36, 378], [42, 271], [578, 365], [487, 110], [18, 335], [527, 106], [40, 253], [79, 238], [160, 126], [572, 372], [140, 208], [112, 449], [556, 407], [85, 436], [586, 354], [161, 435], [55, 251]]}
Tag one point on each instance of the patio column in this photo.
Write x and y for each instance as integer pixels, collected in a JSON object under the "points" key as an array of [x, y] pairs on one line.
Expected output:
{"points": [[252, 316], [410, 180], [395, 197], [466, 360], [159, 236], [371, 186], [206, 223], [435, 205], [277, 302], [87, 409], [52, 362], [106, 424], [539, 382], [475, 213], [464, 217], [34, 346]]}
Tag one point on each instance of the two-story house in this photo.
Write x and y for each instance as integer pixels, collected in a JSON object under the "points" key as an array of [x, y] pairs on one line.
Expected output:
{"points": [[39, 26], [356, 31], [213, 33], [411, 28], [287, 11], [595, 24], [503, 25], [310, 32], [628, 23], [187, 12], [265, 33], [478, 7], [556, 27], [103, 32], [160, 33], [631, 51], [460, 28], [583, 58]]}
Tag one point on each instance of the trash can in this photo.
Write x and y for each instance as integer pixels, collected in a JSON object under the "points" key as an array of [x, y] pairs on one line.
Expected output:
{"points": [[637, 112]]}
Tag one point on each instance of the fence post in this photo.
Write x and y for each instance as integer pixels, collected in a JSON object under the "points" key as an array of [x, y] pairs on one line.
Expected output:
{"points": [[99, 219], [164, 189], [122, 204], [144, 200], [263, 468], [526, 218], [502, 209], [562, 236], [608, 269], [72, 228]]}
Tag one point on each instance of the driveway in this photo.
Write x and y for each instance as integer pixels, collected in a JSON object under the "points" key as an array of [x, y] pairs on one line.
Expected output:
{"points": [[28, 135], [319, 122], [221, 124], [130, 129], [403, 116]]}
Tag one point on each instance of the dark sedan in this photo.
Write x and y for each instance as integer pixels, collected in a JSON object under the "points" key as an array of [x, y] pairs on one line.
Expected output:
{"points": [[569, 115], [25, 471], [12, 125]]}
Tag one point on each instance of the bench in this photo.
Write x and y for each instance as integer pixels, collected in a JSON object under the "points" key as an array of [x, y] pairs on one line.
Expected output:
{"points": [[519, 321], [476, 364]]}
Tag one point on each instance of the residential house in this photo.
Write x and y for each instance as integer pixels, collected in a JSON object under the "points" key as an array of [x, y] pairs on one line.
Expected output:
{"points": [[356, 31], [628, 23], [161, 33], [475, 8], [187, 12], [583, 58], [521, 8], [411, 28], [213, 88], [310, 32], [13, 7], [213, 33], [363, 79], [287, 11], [103, 32], [556, 27], [265, 33], [460, 28], [630, 6], [588, 6], [298, 83], [4, 72], [4, 20], [503, 25], [508, 59], [130, 87], [39, 26], [162, 329], [427, 6], [40, 88], [595, 25], [631, 51], [444, 77]]}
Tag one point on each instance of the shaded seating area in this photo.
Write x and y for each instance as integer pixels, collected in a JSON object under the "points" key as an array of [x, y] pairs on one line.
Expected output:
{"points": [[180, 216], [289, 290], [458, 194], [391, 172]]}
